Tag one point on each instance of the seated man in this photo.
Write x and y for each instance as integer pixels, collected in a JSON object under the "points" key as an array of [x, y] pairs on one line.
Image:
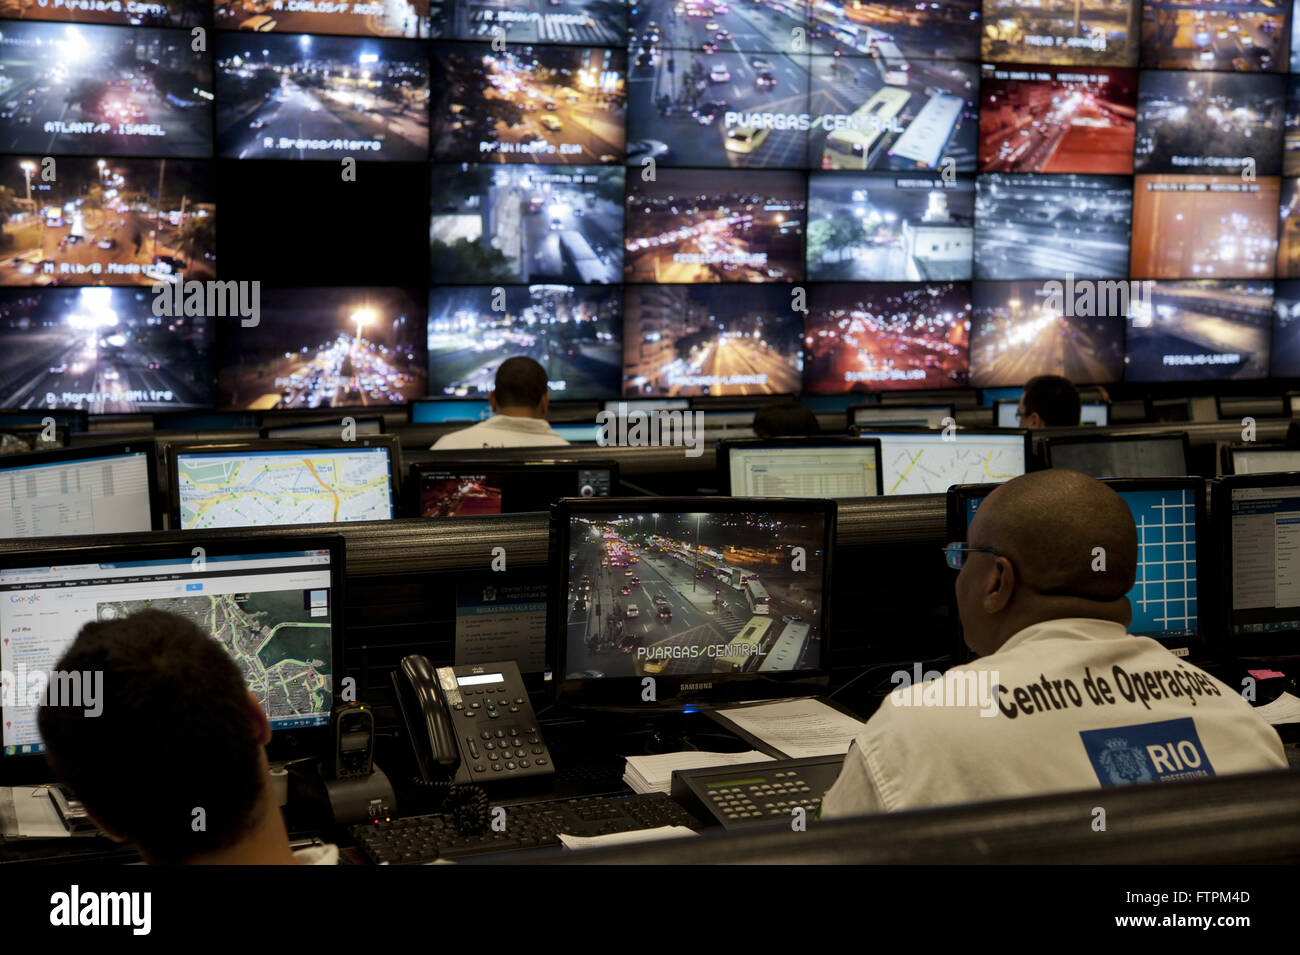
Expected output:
{"points": [[520, 400], [174, 763], [785, 419], [1071, 701], [1049, 401]]}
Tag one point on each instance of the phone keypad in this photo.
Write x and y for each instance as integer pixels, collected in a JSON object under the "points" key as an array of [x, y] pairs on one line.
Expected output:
{"points": [[510, 745]]}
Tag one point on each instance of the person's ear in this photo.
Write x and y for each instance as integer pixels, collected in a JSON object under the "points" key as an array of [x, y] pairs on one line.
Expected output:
{"points": [[261, 725], [1032, 421], [1000, 586], [492, 402], [545, 406]]}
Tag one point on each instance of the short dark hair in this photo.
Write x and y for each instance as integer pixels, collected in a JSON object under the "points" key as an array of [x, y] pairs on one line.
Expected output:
{"points": [[520, 381], [1054, 398], [785, 419], [174, 708]]}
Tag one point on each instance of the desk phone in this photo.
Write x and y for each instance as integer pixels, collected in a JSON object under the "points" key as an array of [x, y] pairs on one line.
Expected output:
{"points": [[756, 793]]}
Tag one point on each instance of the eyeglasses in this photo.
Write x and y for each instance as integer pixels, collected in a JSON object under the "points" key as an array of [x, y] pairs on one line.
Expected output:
{"points": [[955, 553]]}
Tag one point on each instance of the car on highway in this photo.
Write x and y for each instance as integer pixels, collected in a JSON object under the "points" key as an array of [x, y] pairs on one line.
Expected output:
{"points": [[258, 24], [639, 149], [719, 74], [707, 113], [107, 243], [633, 611], [745, 139], [765, 80], [551, 123]]}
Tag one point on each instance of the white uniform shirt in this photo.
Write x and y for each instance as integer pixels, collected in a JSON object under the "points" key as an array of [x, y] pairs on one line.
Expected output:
{"points": [[1072, 704], [501, 431]]}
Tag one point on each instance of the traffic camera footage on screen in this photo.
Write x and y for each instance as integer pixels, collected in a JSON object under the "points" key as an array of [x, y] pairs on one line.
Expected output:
{"points": [[693, 594]]}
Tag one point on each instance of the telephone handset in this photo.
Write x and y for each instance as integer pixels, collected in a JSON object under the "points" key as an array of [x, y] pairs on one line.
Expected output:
{"points": [[470, 724]]}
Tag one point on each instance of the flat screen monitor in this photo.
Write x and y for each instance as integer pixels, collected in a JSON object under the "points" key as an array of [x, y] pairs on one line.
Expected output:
{"points": [[1169, 514], [446, 410], [21, 438], [326, 429], [102, 489], [794, 467], [989, 395], [269, 483], [1229, 407], [1260, 553], [74, 419], [930, 462], [1262, 460], [1095, 413], [922, 416], [497, 487], [1119, 456], [583, 433], [206, 420], [715, 598], [621, 405], [274, 605]]}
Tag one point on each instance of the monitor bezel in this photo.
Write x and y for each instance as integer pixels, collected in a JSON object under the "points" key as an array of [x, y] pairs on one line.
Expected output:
{"points": [[177, 448], [285, 744], [1264, 644], [852, 410], [1285, 401], [1228, 462], [1050, 441], [81, 415], [449, 400], [625, 693], [90, 452], [1206, 550], [416, 471], [726, 445]]}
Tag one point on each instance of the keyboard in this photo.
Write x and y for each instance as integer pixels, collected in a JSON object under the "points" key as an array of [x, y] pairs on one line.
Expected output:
{"points": [[421, 839]]}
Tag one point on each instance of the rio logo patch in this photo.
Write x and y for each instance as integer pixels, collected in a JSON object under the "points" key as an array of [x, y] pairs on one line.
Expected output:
{"points": [[1147, 753]]}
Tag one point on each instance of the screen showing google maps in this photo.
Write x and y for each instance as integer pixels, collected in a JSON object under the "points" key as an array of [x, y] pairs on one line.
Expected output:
{"points": [[931, 462], [273, 613], [300, 486]]}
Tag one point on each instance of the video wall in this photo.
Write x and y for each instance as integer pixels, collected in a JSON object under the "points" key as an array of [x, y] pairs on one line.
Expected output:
{"points": [[662, 198]]}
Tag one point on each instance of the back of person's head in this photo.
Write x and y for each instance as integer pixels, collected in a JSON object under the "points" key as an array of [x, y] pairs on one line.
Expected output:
{"points": [[1054, 399], [176, 733], [1052, 544], [520, 383], [785, 419]]}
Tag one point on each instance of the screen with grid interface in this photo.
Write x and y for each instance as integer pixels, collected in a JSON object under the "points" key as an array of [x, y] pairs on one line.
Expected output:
{"points": [[1164, 594]]}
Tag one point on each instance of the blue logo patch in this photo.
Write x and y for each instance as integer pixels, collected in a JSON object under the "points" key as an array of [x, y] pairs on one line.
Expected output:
{"points": [[1147, 752]]}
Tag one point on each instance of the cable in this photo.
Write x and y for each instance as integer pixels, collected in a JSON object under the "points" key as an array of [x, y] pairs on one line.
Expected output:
{"points": [[466, 806]]}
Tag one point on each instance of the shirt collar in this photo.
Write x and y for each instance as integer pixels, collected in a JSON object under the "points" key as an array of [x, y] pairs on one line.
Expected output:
{"points": [[511, 423], [1070, 628]]}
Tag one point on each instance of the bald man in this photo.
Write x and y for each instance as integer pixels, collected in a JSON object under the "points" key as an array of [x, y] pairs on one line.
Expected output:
{"points": [[1062, 697]]}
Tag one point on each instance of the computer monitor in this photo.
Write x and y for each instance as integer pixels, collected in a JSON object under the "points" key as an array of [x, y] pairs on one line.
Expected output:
{"points": [[206, 420], [21, 438], [101, 489], [1007, 413], [1262, 602], [714, 598], [921, 416], [581, 433], [501, 487], [989, 395], [74, 419], [913, 461], [275, 604], [1169, 514], [1260, 459], [620, 405], [254, 484], [448, 410], [1228, 407], [326, 429], [1119, 455], [800, 467]]}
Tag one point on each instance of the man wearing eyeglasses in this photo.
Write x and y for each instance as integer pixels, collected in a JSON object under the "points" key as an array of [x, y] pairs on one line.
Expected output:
{"points": [[1062, 697]]}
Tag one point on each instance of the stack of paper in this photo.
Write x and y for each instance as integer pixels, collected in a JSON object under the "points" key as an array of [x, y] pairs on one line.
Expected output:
{"points": [[648, 774], [797, 728]]}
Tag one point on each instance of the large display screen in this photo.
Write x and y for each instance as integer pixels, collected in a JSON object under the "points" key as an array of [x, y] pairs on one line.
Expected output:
{"points": [[656, 197]]}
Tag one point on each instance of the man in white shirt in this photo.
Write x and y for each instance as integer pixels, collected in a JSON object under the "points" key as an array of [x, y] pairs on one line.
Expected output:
{"points": [[1061, 698], [519, 401]]}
